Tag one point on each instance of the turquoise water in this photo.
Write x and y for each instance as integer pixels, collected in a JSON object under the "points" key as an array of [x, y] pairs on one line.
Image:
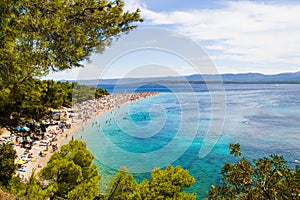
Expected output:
{"points": [[171, 128]]}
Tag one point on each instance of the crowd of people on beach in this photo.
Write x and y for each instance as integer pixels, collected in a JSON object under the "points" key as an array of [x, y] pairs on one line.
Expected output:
{"points": [[33, 141]]}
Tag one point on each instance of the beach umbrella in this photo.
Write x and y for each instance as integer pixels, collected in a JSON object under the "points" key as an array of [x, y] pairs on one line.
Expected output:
{"points": [[18, 128], [22, 128], [20, 162]]}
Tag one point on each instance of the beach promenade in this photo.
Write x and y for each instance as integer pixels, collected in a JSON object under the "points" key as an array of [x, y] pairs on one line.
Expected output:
{"points": [[61, 129]]}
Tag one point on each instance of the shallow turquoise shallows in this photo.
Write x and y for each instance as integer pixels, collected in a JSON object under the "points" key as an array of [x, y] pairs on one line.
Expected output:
{"points": [[171, 128]]}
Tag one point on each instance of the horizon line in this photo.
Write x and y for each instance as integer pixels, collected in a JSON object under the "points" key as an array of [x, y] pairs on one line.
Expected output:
{"points": [[176, 76]]}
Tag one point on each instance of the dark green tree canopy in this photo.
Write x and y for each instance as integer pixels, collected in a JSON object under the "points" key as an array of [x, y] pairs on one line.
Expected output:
{"points": [[32, 99], [7, 164], [37, 36], [166, 183], [70, 174], [264, 178], [123, 186]]}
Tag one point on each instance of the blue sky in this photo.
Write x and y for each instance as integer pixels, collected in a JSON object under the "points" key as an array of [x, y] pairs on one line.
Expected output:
{"points": [[238, 37]]}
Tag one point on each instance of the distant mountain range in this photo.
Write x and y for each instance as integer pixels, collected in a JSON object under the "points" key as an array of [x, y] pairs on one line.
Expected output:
{"points": [[245, 78]]}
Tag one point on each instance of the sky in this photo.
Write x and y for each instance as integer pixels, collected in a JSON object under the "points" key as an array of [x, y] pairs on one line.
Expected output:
{"points": [[232, 36]]}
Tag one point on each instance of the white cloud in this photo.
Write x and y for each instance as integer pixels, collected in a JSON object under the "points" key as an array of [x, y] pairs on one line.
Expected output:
{"points": [[241, 36], [240, 31], [132, 5]]}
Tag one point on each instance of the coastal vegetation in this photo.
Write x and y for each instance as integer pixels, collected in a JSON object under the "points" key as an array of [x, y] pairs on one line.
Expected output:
{"points": [[263, 178], [33, 102], [70, 174], [168, 183], [7, 164], [37, 37]]}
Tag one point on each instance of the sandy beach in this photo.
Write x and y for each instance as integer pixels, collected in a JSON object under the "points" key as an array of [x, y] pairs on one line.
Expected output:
{"points": [[36, 158]]}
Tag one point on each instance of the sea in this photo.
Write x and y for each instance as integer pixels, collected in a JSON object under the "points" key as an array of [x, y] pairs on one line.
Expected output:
{"points": [[192, 126]]}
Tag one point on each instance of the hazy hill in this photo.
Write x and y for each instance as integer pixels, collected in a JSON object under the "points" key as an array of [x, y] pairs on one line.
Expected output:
{"points": [[196, 78]]}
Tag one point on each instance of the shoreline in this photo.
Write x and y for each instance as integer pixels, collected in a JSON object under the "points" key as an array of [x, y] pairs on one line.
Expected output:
{"points": [[89, 111]]}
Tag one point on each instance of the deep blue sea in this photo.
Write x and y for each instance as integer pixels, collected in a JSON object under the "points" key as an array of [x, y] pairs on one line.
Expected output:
{"points": [[174, 126]]}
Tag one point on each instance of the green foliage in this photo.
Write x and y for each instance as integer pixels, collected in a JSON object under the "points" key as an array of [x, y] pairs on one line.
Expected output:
{"points": [[167, 184], [32, 99], [264, 178], [7, 164], [235, 149], [84, 92], [122, 186], [70, 173], [14, 185], [164, 184], [100, 92], [21, 98], [55, 94], [39, 36], [32, 190]]}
